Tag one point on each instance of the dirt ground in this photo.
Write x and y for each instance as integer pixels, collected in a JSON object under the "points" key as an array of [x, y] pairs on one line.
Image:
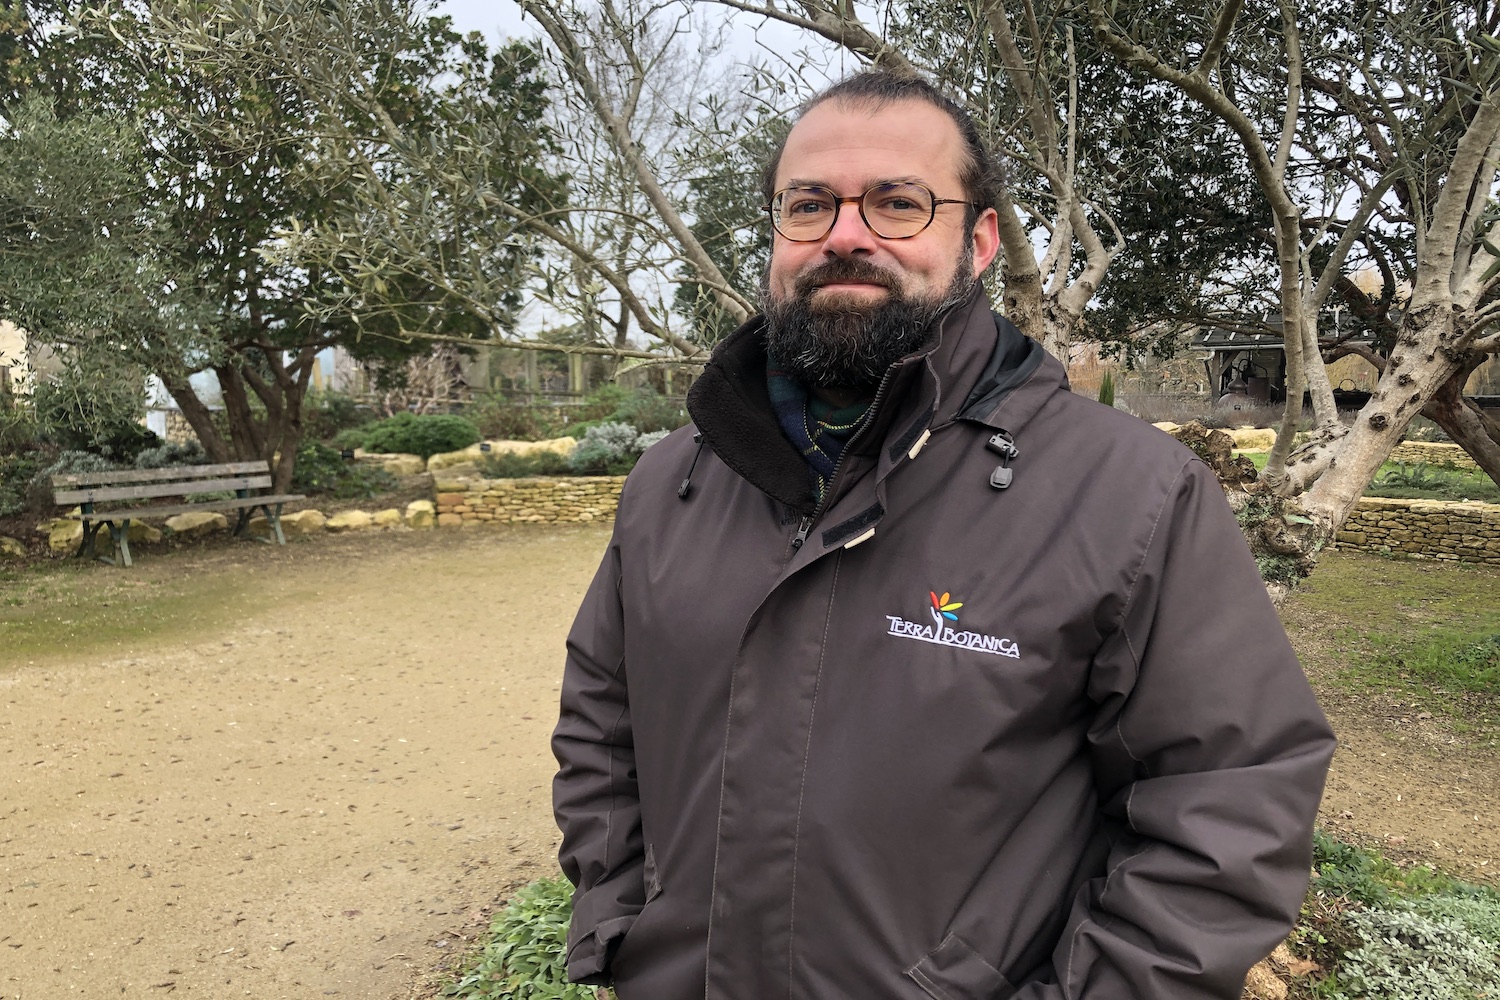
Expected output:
{"points": [[311, 771], [307, 785]]}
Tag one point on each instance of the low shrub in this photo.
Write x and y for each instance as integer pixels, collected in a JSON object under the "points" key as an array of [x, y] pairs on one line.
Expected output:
{"points": [[39, 489], [1406, 955], [16, 475], [523, 958], [498, 419], [644, 409], [1384, 932], [167, 455], [510, 466], [354, 437], [425, 435], [607, 449], [326, 413], [321, 470], [19, 429], [77, 414]]}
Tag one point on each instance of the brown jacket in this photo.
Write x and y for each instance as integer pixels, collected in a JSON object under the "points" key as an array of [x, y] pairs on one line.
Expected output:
{"points": [[786, 772]]}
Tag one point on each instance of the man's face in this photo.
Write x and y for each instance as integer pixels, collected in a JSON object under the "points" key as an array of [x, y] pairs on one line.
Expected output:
{"points": [[841, 309]]}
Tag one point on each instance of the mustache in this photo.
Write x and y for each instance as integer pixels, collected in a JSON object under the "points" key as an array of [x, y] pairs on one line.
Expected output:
{"points": [[842, 269]]}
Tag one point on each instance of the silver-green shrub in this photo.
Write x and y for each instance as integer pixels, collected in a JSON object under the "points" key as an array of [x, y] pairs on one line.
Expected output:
{"points": [[1407, 955]]}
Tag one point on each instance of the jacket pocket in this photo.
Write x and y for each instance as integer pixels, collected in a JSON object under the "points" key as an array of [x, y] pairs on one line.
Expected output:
{"points": [[952, 971]]}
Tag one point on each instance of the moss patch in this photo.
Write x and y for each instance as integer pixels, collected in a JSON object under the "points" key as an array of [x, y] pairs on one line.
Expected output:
{"points": [[69, 609]]}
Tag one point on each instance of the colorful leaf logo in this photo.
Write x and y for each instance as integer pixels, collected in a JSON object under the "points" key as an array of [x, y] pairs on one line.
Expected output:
{"points": [[943, 607]]}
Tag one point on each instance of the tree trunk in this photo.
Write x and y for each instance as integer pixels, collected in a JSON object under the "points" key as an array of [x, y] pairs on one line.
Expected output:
{"points": [[1473, 430], [1416, 369], [198, 416], [246, 437]]}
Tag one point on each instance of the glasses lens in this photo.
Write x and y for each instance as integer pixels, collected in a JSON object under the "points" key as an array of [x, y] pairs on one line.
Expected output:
{"points": [[896, 211], [804, 213]]}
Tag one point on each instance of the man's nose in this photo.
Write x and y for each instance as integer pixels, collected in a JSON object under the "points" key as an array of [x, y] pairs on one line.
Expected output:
{"points": [[849, 235]]}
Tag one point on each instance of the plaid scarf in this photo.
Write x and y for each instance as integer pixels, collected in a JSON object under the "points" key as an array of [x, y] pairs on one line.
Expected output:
{"points": [[818, 429]]}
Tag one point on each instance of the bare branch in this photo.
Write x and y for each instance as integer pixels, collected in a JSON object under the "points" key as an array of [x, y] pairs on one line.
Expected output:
{"points": [[1213, 50], [575, 60]]}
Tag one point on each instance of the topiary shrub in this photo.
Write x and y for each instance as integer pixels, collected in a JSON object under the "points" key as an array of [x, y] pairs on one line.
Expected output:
{"points": [[425, 435]]}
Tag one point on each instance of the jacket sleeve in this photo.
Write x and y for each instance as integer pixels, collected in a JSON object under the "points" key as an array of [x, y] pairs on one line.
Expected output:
{"points": [[594, 794], [1210, 754]]}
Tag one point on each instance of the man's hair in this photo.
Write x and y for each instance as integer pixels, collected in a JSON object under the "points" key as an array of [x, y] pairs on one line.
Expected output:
{"points": [[979, 172]]}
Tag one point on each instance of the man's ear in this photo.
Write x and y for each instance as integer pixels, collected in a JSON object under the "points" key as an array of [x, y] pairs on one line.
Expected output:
{"points": [[986, 240]]}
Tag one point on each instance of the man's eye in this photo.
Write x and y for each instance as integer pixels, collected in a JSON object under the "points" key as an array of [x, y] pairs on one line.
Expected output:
{"points": [[806, 206], [900, 205]]}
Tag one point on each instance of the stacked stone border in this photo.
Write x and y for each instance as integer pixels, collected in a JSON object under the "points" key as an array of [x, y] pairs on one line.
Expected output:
{"points": [[1455, 531], [1433, 453], [551, 500], [1428, 529]]}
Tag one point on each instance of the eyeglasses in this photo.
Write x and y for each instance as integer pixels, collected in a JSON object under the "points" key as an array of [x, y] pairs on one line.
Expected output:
{"points": [[892, 211]]}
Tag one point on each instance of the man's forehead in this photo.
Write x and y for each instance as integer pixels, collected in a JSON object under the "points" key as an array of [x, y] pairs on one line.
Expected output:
{"points": [[867, 143]]}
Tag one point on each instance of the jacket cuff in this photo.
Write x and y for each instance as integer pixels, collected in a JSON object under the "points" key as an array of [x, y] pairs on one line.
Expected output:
{"points": [[588, 958]]}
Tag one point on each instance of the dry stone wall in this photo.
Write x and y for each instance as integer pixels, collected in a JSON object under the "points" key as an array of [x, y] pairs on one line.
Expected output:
{"points": [[1425, 529], [527, 501], [1432, 453]]}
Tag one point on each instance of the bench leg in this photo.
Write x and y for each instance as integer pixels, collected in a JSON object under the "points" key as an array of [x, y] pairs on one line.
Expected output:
{"points": [[86, 543], [275, 518], [242, 521], [120, 534]]}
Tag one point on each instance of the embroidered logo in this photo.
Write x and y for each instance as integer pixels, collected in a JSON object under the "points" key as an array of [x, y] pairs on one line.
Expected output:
{"points": [[943, 633]]}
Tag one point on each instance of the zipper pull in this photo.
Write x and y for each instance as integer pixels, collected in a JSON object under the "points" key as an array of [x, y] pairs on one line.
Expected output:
{"points": [[802, 529]]}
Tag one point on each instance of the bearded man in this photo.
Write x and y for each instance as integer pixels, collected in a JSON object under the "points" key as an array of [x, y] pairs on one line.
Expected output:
{"points": [[907, 674]]}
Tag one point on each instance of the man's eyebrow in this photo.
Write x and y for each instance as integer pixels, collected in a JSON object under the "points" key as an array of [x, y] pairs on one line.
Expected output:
{"points": [[801, 182]]}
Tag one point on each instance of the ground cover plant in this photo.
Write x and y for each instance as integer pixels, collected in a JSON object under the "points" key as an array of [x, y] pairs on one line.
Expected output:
{"points": [[522, 958], [1379, 931]]}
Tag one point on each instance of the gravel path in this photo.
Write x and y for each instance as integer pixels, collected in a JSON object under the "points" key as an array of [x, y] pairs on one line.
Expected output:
{"points": [[305, 793]]}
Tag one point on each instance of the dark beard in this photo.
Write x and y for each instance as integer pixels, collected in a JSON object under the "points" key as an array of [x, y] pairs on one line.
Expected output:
{"points": [[846, 346]]}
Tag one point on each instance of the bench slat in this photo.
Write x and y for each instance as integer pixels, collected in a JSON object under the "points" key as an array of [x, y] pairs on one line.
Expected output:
{"points": [[98, 494], [236, 503], [122, 476]]}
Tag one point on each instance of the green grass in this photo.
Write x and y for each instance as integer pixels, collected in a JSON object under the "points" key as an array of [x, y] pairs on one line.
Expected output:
{"points": [[1419, 481], [1425, 633], [70, 608]]}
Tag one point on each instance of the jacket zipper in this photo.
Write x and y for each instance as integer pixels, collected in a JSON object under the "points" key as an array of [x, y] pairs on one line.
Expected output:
{"points": [[808, 520]]}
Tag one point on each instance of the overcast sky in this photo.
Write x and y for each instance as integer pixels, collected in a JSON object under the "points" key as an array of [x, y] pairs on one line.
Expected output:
{"points": [[497, 18], [493, 17]]}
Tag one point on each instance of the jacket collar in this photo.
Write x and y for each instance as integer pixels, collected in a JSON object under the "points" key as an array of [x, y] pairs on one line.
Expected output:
{"points": [[972, 362]]}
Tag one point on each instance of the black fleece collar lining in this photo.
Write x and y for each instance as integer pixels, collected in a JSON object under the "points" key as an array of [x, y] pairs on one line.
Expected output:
{"points": [[731, 407]]}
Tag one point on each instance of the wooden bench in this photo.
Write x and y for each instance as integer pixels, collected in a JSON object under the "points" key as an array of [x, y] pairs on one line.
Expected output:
{"points": [[88, 489]]}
